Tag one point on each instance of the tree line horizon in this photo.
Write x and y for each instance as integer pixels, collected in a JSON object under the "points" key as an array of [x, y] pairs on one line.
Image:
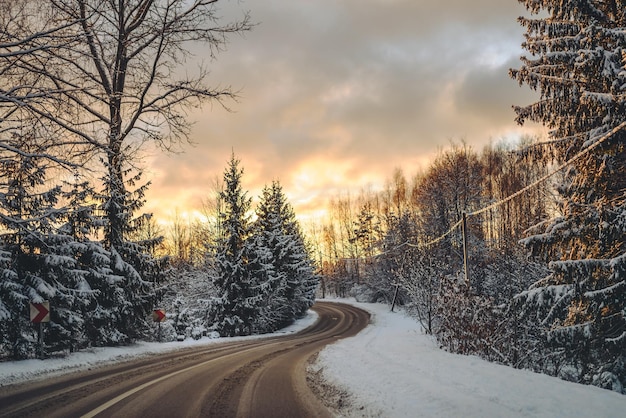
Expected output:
{"points": [[86, 84]]}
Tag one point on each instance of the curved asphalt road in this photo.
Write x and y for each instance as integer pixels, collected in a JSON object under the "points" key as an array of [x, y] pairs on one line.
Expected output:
{"points": [[259, 378]]}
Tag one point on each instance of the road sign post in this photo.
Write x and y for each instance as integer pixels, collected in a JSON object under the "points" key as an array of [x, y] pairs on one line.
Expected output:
{"points": [[40, 313], [158, 316], [40, 340], [395, 295]]}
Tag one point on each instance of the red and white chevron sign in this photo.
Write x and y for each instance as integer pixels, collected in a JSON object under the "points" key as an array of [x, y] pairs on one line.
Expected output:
{"points": [[158, 315], [40, 312]]}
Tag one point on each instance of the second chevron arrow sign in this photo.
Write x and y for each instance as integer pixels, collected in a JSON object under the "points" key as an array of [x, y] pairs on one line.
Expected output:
{"points": [[40, 312]]}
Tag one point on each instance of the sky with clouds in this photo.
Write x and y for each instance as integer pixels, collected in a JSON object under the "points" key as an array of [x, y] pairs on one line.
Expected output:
{"points": [[335, 94]]}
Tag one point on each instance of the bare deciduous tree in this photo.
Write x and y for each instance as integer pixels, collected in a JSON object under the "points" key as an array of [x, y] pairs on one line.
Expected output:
{"points": [[118, 78], [25, 32]]}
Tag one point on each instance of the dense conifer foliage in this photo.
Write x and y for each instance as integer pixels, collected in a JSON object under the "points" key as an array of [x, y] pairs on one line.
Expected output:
{"points": [[289, 288], [263, 274], [578, 64], [49, 253], [234, 307]]}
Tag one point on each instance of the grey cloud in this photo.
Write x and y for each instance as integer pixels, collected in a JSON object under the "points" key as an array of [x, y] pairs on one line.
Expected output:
{"points": [[489, 94], [374, 81]]}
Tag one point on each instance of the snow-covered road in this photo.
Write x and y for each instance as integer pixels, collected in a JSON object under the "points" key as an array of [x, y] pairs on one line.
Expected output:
{"points": [[393, 370]]}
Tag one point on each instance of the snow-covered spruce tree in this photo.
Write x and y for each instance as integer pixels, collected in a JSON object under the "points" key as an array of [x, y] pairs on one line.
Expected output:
{"points": [[94, 261], [267, 287], [38, 261], [307, 269], [291, 282], [10, 299], [70, 274], [134, 272], [578, 63], [233, 309], [300, 263]]}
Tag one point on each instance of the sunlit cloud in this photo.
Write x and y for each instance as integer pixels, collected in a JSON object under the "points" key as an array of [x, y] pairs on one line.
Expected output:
{"points": [[334, 95]]}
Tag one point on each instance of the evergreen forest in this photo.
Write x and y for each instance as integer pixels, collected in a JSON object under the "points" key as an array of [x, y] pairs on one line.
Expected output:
{"points": [[515, 252]]}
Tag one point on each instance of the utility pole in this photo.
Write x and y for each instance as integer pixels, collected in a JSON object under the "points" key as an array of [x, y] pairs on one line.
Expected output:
{"points": [[465, 261]]}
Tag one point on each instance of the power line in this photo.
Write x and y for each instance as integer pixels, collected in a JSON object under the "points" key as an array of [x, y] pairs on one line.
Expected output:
{"points": [[559, 168], [530, 186], [438, 239], [512, 196]]}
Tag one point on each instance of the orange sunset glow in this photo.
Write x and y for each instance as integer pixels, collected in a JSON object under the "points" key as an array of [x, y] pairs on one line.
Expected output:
{"points": [[333, 95]]}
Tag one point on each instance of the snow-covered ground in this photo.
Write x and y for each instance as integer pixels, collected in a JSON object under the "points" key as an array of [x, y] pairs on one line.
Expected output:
{"points": [[392, 370]]}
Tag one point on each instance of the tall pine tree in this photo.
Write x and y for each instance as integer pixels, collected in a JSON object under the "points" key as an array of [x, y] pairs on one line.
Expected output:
{"points": [[37, 260], [578, 64], [129, 290], [290, 280], [234, 308]]}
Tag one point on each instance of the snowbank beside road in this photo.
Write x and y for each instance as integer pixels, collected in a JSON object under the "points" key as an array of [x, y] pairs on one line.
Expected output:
{"points": [[393, 370], [20, 371]]}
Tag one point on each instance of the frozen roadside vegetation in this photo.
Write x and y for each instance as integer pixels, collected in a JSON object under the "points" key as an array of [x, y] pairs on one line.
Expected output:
{"points": [[392, 369]]}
